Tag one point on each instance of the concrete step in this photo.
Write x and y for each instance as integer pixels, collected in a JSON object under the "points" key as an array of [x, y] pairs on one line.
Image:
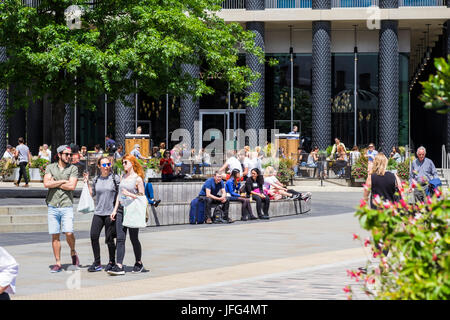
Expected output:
{"points": [[40, 227], [26, 210], [36, 218]]}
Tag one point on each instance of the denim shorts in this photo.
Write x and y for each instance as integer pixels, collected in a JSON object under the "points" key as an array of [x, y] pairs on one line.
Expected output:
{"points": [[60, 220]]}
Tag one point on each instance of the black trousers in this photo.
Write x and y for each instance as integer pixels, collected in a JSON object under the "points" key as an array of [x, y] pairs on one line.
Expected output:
{"points": [[4, 296], [259, 204], [246, 208], [167, 177], [209, 203], [122, 235], [23, 172], [98, 222]]}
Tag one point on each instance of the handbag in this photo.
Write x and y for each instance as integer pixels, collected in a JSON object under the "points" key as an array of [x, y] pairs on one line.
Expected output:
{"points": [[135, 213], [86, 203]]}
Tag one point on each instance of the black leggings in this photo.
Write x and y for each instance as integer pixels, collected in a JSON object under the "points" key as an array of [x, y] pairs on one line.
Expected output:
{"points": [[259, 202], [4, 296], [246, 208], [110, 233], [23, 172], [122, 235]]}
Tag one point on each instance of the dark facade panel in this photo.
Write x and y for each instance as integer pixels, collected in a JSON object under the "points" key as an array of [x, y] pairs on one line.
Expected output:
{"points": [[321, 4], [388, 4], [189, 106], [125, 117], [3, 106], [255, 5]]}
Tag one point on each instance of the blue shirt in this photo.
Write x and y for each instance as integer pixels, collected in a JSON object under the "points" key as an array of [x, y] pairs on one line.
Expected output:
{"points": [[293, 138], [211, 185], [149, 192], [110, 143], [232, 189], [136, 153], [422, 171], [371, 154]]}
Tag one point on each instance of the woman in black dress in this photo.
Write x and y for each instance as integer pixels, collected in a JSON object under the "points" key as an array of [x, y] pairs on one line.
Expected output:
{"points": [[254, 186]]}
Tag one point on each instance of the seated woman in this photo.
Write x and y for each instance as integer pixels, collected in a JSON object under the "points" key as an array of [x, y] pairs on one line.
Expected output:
{"points": [[254, 189], [274, 187], [149, 194], [232, 188], [313, 162], [341, 162]]}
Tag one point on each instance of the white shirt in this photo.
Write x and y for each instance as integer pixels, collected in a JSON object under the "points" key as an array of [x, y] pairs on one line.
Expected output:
{"points": [[48, 157], [8, 271], [234, 163], [7, 155], [253, 164], [206, 158]]}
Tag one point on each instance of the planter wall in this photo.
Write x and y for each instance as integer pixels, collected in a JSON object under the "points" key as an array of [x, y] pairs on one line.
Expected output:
{"points": [[35, 175]]}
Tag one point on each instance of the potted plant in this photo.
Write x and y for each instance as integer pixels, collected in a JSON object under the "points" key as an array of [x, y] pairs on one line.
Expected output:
{"points": [[37, 169], [359, 169], [403, 170], [8, 170], [152, 167], [285, 173], [392, 166]]}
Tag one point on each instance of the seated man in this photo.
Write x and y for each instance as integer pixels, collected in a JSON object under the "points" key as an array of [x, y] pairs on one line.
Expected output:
{"points": [[210, 194]]}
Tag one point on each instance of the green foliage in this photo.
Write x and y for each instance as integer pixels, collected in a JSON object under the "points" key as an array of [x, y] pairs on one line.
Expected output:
{"points": [[359, 169], [6, 167], [392, 164], [436, 91], [41, 164], [418, 239], [328, 150], [153, 163], [118, 166], [120, 44], [403, 170], [285, 172]]}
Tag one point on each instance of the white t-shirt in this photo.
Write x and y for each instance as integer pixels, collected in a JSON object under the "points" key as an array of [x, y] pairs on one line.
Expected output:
{"points": [[252, 164], [234, 163], [48, 157], [268, 181], [7, 155]]}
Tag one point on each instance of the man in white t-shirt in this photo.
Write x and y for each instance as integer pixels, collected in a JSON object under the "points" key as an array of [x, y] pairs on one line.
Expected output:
{"points": [[232, 163], [8, 153]]}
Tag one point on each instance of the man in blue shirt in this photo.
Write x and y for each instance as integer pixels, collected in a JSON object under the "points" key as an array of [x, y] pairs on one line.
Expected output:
{"points": [[422, 171], [210, 194], [294, 131], [110, 144]]}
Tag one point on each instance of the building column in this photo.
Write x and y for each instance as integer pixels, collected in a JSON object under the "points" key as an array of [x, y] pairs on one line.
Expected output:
{"points": [[35, 125], [124, 118], [321, 78], [3, 107], [254, 118], [190, 105], [447, 52], [68, 125], [388, 85]]}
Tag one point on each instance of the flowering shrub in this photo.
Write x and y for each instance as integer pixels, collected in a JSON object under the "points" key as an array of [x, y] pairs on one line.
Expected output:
{"points": [[40, 164], [403, 170], [412, 243], [285, 172], [359, 169], [6, 167]]}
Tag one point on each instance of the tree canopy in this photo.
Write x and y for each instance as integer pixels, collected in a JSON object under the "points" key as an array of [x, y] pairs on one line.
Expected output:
{"points": [[120, 43], [436, 91]]}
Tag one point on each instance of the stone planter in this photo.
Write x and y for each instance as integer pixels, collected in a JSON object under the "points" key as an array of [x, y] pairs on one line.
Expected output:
{"points": [[12, 177], [35, 175]]}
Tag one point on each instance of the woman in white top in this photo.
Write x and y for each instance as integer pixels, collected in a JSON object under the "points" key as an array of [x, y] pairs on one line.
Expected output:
{"points": [[274, 186], [253, 162], [43, 154], [354, 155]]}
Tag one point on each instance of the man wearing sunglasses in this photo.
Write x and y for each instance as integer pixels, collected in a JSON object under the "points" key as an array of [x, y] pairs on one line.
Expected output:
{"points": [[61, 180]]}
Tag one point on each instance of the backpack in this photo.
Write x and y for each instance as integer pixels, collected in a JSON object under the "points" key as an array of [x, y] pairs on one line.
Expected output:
{"points": [[218, 214]]}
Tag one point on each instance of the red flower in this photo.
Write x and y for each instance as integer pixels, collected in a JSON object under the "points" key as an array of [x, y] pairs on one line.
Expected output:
{"points": [[437, 192], [376, 254], [366, 242], [362, 203], [403, 203], [355, 236], [434, 257], [347, 289], [429, 200]]}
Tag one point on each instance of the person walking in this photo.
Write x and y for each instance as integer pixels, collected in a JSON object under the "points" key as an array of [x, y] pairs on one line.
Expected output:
{"points": [[210, 194], [131, 185], [23, 156], [9, 269], [61, 180], [254, 187], [381, 183], [104, 188], [232, 188], [422, 172]]}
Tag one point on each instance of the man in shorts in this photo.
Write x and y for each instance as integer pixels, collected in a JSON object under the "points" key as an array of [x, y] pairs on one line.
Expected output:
{"points": [[61, 180]]}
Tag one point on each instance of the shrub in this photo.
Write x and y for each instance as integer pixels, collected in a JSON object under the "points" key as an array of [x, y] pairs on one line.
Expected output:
{"points": [[328, 150], [359, 169], [392, 164], [403, 170], [418, 239], [285, 172], [6, 167]]}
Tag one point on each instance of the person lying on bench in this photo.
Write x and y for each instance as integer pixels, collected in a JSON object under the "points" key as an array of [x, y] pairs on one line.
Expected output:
{"points": [[210, 194]]}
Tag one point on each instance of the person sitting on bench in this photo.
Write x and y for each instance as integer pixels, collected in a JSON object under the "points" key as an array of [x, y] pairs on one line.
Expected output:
{"points": [[210, 194]]}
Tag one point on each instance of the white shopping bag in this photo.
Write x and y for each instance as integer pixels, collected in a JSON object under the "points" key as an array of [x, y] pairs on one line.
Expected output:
{"points": [[86, 204], [134, 213]]}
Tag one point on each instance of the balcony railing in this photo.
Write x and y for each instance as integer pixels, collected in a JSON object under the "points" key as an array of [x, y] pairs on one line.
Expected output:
{"points": [[287, 4]]}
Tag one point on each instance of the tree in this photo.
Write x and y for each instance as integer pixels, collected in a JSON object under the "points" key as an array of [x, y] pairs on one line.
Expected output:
{"points": [[436, 91], [120, 43]]}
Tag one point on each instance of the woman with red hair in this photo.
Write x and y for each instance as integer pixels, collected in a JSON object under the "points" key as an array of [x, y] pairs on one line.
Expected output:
{"points": [[131, 185]]}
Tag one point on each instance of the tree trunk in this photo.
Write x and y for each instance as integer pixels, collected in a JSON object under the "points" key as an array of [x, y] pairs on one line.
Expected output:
{"points": [[58, 137]]}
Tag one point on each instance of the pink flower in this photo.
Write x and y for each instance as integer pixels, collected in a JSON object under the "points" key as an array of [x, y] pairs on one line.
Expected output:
{"points": [[366, 242], [377, 271], [437, 192], [362, 203], [347, 289], [413, 184], [387, 204], [355, 236], [403, 203], [376, 254], [434, 257]]}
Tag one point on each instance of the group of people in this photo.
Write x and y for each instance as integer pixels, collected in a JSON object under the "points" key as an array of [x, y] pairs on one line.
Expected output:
{"points": [[112, 193]]}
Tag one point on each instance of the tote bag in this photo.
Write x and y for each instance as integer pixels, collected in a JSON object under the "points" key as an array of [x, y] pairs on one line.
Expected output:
{"points": [[86, 203], [134, 213]]}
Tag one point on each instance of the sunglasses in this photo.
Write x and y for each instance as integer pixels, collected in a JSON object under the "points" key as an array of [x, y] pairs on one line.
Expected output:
{"points": [[67, 154], [104, 165], [126, 162]]}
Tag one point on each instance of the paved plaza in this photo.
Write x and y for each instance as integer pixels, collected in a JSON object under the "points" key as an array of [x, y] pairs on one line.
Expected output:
{"points": [[295, 257]]}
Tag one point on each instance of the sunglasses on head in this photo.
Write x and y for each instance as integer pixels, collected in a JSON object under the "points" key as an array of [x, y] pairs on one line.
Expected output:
{"points": [[104, 165]]}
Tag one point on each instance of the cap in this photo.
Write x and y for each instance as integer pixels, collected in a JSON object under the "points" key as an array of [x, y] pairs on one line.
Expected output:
{"points": [[8, 146], [62, 148]]}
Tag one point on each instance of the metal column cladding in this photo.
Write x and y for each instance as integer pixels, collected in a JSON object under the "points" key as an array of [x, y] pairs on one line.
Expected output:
{"points": [[3, 101], [321, 4], [388, 86], [189, 105], [255, 115], [67, 125], [255, 5], [124, 118], [388, 4], [321, 83], [447, 52]]}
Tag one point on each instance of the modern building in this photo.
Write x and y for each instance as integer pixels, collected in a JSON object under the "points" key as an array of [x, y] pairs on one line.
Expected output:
{"points": [[329, 52]]}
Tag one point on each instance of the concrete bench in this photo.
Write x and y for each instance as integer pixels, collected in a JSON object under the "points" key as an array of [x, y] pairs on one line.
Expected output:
{"points": [[174, 213]]}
